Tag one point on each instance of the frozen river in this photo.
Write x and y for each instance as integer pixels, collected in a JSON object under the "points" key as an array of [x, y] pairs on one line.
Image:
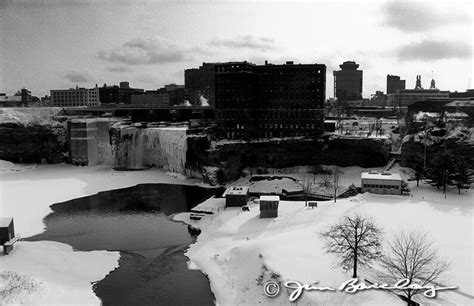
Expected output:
{"points": [[137, 222]]}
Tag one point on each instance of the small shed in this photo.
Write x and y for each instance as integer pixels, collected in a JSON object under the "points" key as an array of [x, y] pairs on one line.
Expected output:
{"points": [[236, 196], [381, 183], [269, 206], [7, 230]]}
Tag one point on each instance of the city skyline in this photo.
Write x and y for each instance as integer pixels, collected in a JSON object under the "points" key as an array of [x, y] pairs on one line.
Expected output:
{"points": [[52, 44]]}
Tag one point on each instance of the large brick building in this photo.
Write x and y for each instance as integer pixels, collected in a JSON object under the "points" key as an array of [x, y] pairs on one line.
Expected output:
{"points": [[269, 100], [75, 97], [200, 83]]}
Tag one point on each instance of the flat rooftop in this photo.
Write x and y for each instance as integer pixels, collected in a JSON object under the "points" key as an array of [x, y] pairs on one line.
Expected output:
{"points": [[5, 222], [381, 176], [238, 190], [269, 198]]}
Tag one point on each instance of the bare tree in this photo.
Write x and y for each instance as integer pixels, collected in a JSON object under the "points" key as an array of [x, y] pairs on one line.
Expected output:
{"points": [[356, 240], [412, 257], [336, 173], [307, 182]]}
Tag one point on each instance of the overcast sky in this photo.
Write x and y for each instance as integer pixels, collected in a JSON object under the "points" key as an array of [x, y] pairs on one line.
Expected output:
{"points": [[53, 44]]}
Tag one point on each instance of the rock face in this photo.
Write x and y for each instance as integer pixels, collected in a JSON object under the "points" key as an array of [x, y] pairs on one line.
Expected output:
{"points": [[33, 143], [232, 157]]}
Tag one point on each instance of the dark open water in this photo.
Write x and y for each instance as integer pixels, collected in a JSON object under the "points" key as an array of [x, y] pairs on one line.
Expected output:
{"points": [[136, 221]]}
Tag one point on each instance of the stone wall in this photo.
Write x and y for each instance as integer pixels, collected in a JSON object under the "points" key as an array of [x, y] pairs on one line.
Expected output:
{"points": [[231, 157], [34, 143], [89, 142]]}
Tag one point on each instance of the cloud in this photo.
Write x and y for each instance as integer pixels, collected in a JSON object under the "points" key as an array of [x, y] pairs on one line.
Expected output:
{"points": [[78, 77], [120, 69], [149, 51], [419, 17], [434, 50], [246, 41]]}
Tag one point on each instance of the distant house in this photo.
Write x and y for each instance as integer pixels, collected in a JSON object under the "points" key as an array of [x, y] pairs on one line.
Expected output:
{"points": [[381, 183], [269, 206], [236, 196]]}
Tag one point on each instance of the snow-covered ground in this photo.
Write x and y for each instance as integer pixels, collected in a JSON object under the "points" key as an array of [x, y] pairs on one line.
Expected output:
{"points": [[60, 275], [237, 249], [29, 115], [50, 272]]}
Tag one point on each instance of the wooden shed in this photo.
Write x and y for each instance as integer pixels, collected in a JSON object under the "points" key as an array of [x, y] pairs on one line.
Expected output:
{"points": [[7, 230], [269, 206], [7, 235]]}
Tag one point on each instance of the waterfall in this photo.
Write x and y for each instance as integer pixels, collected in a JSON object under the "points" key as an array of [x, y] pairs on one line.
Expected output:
{"points": [[163, 147], [168, 147], [131, 149]]}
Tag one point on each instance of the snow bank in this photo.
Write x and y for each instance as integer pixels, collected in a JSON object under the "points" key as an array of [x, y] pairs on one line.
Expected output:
{"points": [[61, 275], [29, 115], [239, 251]]}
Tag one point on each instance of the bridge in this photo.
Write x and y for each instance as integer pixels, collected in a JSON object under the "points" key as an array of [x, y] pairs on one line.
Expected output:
{"points": [[145, 113]]}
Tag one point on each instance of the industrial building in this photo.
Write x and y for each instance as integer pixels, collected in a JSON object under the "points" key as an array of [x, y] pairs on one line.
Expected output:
{"points": [[381, 183], [200, 84], [269, 100], [75, 97]]}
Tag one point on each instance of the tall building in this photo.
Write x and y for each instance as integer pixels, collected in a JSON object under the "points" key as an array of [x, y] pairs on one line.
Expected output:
{"points": [[75, 97], [394, 83], [348, 82], [118, 94], [269, 100], [200, 83]]}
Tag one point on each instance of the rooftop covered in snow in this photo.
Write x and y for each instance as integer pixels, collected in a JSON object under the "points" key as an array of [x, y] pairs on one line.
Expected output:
{"points": [[269, 198], [381, 176], [237, 190], [5, 222]]}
